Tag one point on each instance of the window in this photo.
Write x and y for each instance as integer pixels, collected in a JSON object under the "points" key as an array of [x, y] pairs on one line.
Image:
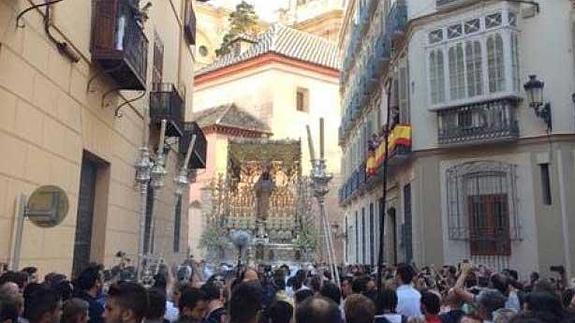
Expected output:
{"points": [[436, 36], [190, 23], [456, 72], [454, 31], [545, 184], [512, 19], [481, 207], [472, 26], [177, 224], [371, 235], [363, 235], [474, 68], [495, 63], [302, 100], [158, 66], [408, 224], [515, 62], [404, 113], [356, 238], [489, 225], [437, 76], [494, 20], [203, 50], [482, 66]]}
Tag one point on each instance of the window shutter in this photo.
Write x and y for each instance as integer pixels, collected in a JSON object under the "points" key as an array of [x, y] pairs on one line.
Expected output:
{"points": [[190, 23], [158, 60], [104, 24]]}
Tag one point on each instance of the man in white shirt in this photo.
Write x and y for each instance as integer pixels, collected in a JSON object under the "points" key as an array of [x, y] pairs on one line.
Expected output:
{"points": [[408, 298]]}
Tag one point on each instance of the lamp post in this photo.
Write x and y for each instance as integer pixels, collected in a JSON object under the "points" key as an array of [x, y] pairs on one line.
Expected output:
{"points": [[534, 90], [143, 175]]}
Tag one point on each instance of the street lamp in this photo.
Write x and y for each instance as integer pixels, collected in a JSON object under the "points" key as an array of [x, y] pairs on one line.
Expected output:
{"points": [[534, 90]]}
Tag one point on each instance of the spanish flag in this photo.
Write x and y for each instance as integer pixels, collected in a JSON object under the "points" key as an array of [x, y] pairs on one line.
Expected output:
{"points": [[400, 136]]}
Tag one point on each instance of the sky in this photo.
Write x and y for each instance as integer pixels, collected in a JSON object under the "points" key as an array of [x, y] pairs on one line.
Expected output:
{"points": [[264, 8]]}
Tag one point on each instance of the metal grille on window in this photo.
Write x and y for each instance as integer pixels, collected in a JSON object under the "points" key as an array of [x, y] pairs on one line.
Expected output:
{"points": [[494, 20], [454, 31], [436, 36], [472, 26], [482, 207]]}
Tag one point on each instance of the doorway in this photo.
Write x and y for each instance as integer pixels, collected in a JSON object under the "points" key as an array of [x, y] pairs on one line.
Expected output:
{"points": [[391, 214], [90, 219]]}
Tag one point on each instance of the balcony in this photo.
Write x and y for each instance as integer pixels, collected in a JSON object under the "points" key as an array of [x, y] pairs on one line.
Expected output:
{"points": [[198, 159], [486, 122], [167, 103], [118, 44]]}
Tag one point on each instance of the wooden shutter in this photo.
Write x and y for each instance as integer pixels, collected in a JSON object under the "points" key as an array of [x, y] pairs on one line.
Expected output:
{"points": [[190, 23], [158, 60], [104, 24], [489, 225]]}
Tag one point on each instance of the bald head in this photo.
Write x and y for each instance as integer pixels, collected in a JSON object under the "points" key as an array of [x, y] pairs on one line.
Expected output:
{"points": [[318, 309]]}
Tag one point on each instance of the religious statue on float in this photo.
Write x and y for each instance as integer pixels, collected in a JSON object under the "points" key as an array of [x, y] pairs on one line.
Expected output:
{"points": [[263, 190]]}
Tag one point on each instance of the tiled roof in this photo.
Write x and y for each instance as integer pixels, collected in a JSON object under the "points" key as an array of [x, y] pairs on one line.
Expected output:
{"points": [[287, 42], [230, 115]]}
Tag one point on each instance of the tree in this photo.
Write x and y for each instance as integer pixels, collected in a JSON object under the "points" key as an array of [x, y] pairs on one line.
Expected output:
{"points": [[243, 21], [306, 241], [213, 240]]}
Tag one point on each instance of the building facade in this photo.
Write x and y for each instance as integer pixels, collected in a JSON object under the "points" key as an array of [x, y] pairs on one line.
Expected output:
{"points": [[473, 172], [79, 88], [287, 79], [322, 18]]}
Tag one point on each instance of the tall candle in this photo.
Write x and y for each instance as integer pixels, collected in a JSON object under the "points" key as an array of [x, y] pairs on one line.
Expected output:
{"points": [[310, 143], [321, 139]]}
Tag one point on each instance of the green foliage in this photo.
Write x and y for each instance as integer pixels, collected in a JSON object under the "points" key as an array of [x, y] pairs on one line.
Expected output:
{"points": [[243, 21], [213, 239], [307, 239]]}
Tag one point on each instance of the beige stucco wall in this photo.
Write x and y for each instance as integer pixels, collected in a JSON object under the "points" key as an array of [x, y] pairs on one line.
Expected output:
{"points": [[47, 119]]}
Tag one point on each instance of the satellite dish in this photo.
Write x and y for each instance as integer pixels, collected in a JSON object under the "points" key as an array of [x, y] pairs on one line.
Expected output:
{"points": [[47, 206]]}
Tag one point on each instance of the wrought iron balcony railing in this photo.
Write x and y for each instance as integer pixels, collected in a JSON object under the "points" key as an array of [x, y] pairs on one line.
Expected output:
{"points": [[479, 123], [167, 103], [119, 44]]}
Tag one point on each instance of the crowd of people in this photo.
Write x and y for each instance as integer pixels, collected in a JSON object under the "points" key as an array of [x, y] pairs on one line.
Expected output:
{"points": [[464, 293]]}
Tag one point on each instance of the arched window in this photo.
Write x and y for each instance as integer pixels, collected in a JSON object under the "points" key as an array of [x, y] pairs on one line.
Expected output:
{"points": [[473, 63], [495, 63], [456, 72], [436, 76]]}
